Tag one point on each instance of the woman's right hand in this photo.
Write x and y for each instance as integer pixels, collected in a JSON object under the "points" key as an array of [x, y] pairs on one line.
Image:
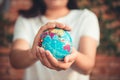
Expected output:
{"points": [[49, 25]]}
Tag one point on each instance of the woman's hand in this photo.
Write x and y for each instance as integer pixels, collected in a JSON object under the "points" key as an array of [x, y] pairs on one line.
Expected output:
{"points": [[34, 51], [51, 62]]}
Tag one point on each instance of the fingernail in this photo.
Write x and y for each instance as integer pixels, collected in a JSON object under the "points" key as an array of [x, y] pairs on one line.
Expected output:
{"points": [[50, 53], [41, 51], [47, 52], [66, 60], [53, 25], [63, 24], [70, 28], [37, 48]]}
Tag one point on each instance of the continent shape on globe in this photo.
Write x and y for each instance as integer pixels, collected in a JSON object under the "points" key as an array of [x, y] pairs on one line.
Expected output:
{"points": [[57, 41]]}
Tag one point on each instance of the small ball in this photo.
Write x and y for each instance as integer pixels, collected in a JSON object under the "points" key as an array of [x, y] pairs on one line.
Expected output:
{"points": [[57, 41]]}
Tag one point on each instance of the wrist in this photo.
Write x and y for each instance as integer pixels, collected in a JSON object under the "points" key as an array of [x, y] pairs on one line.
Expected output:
{"points": [[77, 54], [33, 56]]}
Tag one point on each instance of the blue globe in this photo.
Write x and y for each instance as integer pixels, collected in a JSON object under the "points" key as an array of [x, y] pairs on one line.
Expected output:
{"points": [[57, 41]]}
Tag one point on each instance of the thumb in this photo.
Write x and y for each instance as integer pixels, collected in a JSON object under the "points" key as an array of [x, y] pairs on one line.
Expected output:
{"points": [[71, 57]]}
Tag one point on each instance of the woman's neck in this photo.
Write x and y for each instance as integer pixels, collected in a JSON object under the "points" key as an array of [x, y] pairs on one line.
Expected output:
{"points": [[56, 13]]}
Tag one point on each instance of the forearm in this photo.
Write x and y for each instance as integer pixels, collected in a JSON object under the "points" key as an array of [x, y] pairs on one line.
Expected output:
{"points": [[83, 64], [21, 58]]}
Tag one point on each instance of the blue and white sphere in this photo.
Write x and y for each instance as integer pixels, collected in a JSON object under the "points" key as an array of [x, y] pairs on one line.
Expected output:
{"points": [[57, 41]]}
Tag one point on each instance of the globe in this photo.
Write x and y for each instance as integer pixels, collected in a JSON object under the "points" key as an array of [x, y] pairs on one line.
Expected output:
{"points": [[57, 41]]}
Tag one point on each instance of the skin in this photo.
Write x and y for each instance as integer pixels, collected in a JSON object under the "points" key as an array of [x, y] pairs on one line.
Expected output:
{"points": [[82, 60], [55, 4]]}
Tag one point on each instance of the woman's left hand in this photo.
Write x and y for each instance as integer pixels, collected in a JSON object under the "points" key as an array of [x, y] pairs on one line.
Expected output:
{"points": [[51, 62]]}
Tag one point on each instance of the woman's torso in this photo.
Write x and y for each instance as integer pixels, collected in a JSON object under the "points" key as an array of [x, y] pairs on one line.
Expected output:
{"points": [[75, 19]]}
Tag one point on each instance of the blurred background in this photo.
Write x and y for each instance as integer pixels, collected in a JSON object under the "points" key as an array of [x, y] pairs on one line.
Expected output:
{"points": [[108, 54]]}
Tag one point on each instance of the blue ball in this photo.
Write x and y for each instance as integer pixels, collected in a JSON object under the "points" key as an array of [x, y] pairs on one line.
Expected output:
{"points": [[57, 41]]}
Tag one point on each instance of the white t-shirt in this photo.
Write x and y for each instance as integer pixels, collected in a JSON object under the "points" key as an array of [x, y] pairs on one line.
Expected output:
{"points": [[82, 22]]}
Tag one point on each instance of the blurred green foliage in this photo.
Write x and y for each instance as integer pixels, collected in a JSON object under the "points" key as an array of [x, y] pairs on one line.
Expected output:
{"points": [[5, 38], [108, 13]]}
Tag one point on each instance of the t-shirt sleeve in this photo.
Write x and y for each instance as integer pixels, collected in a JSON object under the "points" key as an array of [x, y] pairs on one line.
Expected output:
{"points": [[21, 30], [91, 26]]}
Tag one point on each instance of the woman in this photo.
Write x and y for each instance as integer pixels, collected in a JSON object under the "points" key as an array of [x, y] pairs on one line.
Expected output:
{"points": [[40, 64]]}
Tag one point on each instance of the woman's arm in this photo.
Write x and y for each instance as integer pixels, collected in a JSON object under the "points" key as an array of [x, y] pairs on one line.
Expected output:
{"points": [[21, 55], [86, 55]]}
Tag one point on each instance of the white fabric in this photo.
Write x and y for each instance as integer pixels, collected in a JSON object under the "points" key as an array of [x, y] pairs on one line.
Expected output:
{"points": [[82, 22]]}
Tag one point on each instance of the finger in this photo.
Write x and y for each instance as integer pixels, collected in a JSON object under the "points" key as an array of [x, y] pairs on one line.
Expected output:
{"points": [[45, 60], [33, 51], [68, 28], [49, 25], [38, 55], [52, 59], [63, 26], [60, 25], [59, 65], [71, 57], [50, 65], [42, 54]]}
